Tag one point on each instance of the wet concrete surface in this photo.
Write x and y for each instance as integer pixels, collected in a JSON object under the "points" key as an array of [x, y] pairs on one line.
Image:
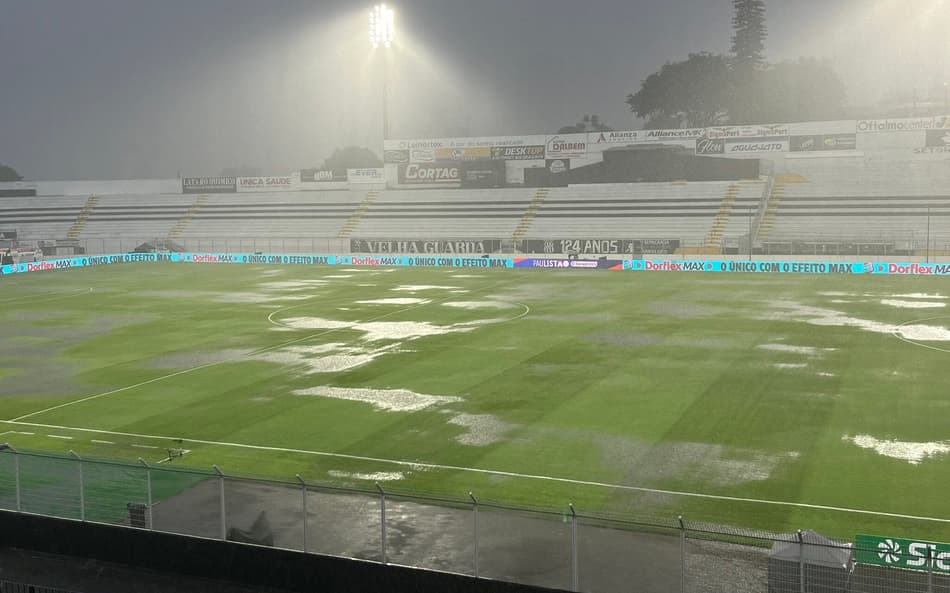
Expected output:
{"points": [[515, 546]]}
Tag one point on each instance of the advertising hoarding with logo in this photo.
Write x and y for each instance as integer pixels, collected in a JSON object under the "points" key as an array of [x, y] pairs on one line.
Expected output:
{"points": [[395, 157], [208, 185], [429, 173], [555, 166], [479, 153], [319, 176], [483, 174], [531, 152], [613, 137], [710, 146], [910, 124], [473, 142], [435, 246], [566, 146], [676, 134], [257, 184], [366, 175], [822, 142], [601, 246], [756, 145], [422, 155], [903, 553]]}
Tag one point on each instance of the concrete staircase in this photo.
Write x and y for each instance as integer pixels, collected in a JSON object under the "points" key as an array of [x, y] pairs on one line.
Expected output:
{"points": [[771, 211], [80, 223], [528, 218], [183, 222], [354, 220], [718, 227]]}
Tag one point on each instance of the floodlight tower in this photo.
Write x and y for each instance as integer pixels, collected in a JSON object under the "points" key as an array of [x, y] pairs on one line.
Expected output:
{"points": [[382, 33]]}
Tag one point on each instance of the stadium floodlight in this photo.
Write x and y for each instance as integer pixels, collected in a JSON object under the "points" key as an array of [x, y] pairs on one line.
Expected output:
{"points": [[381, 26]]}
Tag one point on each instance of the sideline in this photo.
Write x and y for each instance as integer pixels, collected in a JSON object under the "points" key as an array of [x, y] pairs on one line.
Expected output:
{"points": [[509, 474]]}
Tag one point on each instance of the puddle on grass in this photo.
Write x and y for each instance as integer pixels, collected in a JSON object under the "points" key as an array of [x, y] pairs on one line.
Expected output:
{"points": [[913, 304], [911, 452], [390, 400], [482, 429]]}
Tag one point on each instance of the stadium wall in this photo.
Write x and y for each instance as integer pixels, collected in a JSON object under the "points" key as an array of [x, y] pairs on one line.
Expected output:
{"points": [[255, 566], [104, 188]]}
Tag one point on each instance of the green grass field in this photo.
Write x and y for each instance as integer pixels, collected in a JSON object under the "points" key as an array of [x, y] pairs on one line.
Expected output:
{"points": [[526, 387]]}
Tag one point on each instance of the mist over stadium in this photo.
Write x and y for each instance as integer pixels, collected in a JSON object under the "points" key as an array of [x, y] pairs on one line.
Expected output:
{"points": [[474, 297]]}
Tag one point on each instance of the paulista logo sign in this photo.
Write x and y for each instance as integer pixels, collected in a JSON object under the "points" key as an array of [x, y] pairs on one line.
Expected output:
{"points": [[902, 553]]}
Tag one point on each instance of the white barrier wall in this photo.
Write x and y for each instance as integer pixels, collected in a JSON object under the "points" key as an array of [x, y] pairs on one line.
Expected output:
{"points": [[104, 188]]}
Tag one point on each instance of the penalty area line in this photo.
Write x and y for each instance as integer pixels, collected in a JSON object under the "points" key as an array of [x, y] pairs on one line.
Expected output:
{"points": [[491, 472]]}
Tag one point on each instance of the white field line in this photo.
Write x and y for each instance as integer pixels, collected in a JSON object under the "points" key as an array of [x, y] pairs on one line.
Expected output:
{"points": [[252, 353], [29, 434], [59, 436], [5, 433], [137, 446], [168, 376], [927, 346], [510, 474], [43, 299], [98, 442]]}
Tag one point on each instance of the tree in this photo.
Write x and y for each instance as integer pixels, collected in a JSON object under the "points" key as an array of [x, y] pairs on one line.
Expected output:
{"points": [[590, 123], [692, 94], [749, 33], [9, 173], [350, 157]]}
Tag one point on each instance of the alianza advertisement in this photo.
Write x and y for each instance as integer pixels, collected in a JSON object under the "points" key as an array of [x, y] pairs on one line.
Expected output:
{"points": [[637, 265]]}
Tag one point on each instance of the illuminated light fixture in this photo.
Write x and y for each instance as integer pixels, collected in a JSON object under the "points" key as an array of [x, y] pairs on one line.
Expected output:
{"points": [[381, 26]]}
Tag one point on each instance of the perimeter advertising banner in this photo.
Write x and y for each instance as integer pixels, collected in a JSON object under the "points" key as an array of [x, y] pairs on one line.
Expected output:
{"points": [[366, 175], [779, 267], [436, 246], [473, 142], [269, 184], [688, 266], [896, 552], [566, 146], [823, 142], [208, 185], [713, 146], [395, 157], [429, 174], [319, 176], [756, 145], [601, 246], [479, 153], [532, 152], [569, 264], [555, 166], [910, 124]]}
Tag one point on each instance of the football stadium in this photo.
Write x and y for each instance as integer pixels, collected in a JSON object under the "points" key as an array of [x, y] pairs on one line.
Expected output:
{"points": [[688, 359]]}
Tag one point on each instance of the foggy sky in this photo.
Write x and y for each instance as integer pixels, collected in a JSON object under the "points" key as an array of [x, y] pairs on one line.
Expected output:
{"points": [[95, 89]]}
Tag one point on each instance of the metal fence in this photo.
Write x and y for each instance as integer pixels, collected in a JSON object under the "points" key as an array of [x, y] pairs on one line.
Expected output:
{"points": [[565, 548]]}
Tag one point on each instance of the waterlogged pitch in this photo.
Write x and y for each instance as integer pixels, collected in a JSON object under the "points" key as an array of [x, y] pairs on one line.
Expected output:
{"points": [[754, 400]]}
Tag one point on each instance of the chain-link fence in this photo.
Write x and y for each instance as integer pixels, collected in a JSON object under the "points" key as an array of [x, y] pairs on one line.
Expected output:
{"points": [[565, 549]]}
